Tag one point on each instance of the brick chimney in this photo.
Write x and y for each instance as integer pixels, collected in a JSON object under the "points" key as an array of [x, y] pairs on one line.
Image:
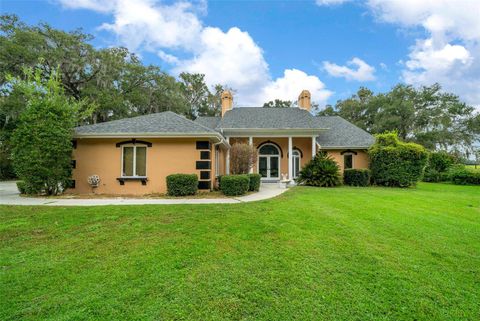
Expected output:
{"points": [[227, 101], [304, 100]]}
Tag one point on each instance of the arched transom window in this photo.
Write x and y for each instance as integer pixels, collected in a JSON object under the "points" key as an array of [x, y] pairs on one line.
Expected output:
{"points": [[269, 149]]}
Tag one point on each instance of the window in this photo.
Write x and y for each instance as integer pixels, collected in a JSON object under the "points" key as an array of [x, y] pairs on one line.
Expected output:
{"points": [[347, 161], [134, 161], [296, 162], [268, 150]]}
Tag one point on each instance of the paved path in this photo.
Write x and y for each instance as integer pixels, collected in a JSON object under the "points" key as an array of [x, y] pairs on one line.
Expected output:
{"points": [[9, 196]]}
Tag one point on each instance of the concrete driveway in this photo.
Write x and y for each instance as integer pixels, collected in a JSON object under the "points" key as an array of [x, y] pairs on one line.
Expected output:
{"points": [[9, 195]]}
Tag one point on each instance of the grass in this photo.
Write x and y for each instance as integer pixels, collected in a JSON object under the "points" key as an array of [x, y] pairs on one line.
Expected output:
{"points": [[474, 168], [310, 254]]}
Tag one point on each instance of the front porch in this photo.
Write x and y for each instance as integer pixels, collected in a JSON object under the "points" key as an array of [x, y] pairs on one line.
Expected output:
{"points": [[278, 157]]}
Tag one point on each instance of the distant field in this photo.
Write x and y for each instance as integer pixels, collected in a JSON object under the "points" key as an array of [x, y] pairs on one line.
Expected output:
{"points": [[472, 167]]}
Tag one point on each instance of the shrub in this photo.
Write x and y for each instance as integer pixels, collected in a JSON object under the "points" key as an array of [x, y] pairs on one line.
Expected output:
{"points": [[42, 141], [438, 165], [242, 158], [395, 163], [254, 182], [462, 176], [356, 177], [433, 176], [233, 185], [23, 187], [321, 171], [440, 161], [182, 184]]}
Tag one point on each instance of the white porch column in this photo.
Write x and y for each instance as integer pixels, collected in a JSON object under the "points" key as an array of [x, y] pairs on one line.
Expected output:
{"points": [[227, 162], [314, 146], [250, 142], [290, 158]]}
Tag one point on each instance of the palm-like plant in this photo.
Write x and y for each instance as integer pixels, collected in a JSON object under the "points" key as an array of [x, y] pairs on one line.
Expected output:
{"points": [[321, 171]]}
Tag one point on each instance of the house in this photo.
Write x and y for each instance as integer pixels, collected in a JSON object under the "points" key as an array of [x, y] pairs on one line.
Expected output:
{"points": [[133, 156]]}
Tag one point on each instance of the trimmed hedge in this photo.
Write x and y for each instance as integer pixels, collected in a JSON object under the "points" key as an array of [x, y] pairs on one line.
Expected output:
{"points": [[438, 165], [461, 176], [440, 161], [22, 187], [182, 184], [233, 185], [254, 182], [395, 163], [356, 177]]}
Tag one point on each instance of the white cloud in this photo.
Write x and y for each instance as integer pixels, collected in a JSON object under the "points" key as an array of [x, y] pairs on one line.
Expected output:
{"points": [[229, 58], [450, 54], [359, 70], [330, 2], [292, 83], [457, 18], [171, 59]]}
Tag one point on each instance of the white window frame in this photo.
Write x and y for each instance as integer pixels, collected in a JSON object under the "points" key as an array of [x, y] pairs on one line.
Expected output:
{"points": [[353, 160], [134, 160], [299, 156], [279, 156]]}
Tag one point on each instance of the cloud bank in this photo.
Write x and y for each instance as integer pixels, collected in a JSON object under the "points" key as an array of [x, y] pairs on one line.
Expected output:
{"points": [[229, 57]]}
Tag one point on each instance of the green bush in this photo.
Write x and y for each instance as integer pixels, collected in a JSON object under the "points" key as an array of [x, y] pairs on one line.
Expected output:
{"points": [[42, 141], [182, 184], [321, 171], [462, 176], [395, 163], [433, 176], [23, 187], [254, 182], [440, 161], [356, 177], [233, 185]]}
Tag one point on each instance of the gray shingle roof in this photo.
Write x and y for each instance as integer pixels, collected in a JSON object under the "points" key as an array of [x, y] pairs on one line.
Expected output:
{"points": [[342, 133], [159, 123], [274, 118], [208, 121]]}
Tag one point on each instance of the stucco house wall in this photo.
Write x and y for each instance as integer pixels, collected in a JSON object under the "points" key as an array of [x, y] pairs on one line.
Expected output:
{"points": [[102, 157], [304, 144], [359, 161]]}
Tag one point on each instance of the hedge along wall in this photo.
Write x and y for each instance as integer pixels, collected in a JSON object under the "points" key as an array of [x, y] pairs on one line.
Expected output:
{"points": [[233, 185], [395, 163]]}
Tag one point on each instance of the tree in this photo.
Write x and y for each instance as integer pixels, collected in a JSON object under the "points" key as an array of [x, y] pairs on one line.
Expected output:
{"points": [[278, 103], [199, 99], [42, 141], [242, 158], [425, 115]]}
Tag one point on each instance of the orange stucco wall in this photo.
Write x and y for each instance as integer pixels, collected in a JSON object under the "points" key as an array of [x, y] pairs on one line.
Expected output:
{"points": [[102, 157], [359, 161], [304, 144]]}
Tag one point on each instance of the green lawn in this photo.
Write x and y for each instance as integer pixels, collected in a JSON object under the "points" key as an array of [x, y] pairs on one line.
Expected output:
{"points": [[311, 254], [474, 168]]}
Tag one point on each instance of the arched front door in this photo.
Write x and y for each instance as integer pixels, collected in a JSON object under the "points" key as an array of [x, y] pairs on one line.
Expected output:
{"points": [[269, 162]]}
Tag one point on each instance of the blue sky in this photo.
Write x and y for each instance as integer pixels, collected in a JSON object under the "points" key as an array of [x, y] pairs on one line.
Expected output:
{"points": [[273, 49]]}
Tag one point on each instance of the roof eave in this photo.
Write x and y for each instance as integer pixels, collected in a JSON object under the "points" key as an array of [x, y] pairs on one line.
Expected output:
{"points": [[272, 131], [149, 135]]}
